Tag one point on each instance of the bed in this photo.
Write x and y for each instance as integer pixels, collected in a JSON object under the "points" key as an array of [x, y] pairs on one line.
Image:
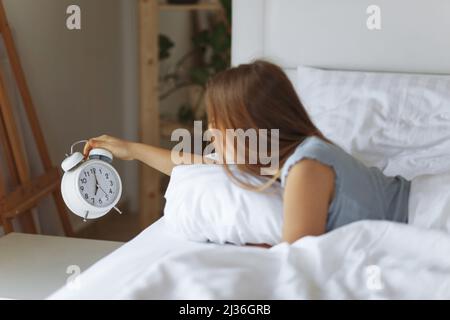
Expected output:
{"points": [[363, 260]]}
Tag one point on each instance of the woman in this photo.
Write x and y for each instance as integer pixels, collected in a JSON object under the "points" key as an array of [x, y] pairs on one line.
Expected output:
{"points": [[324, 187]]}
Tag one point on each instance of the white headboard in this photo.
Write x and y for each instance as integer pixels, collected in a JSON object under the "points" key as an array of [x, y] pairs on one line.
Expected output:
{"points": [[414, 35]]}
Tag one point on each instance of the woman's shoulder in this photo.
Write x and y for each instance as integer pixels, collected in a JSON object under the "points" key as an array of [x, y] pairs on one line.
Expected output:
{"points": [[312, 148]]}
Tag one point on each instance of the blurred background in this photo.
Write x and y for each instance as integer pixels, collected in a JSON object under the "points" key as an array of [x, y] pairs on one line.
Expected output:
{"points": [[136, 70]]}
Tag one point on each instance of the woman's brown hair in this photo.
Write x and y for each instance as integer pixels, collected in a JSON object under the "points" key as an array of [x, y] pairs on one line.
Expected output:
{"points": [[258, 95]]}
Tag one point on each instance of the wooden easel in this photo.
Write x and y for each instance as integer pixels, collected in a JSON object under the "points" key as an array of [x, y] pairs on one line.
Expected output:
{"points": [[27, 191]]}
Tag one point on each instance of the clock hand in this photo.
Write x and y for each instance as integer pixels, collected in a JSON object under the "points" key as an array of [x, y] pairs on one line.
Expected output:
{"points": [[98, 187], [115, 208], [96, 184]]}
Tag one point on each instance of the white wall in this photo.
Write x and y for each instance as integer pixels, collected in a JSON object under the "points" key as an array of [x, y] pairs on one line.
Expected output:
{"points": [[75, 77]]}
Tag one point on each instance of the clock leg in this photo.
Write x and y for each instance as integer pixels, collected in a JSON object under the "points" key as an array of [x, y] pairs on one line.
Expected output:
{"points": [[86, 216], [118, 210]]}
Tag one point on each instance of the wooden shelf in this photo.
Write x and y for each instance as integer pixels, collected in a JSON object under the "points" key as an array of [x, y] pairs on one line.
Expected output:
{"points": [[151, 130], [211, 6]]}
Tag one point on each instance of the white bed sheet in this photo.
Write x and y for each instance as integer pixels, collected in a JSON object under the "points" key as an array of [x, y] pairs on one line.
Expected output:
{"points": [[107, 278], [364, 260]]}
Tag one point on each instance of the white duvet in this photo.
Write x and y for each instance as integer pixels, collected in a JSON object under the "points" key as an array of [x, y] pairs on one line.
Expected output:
{"points": [[364, 260]]}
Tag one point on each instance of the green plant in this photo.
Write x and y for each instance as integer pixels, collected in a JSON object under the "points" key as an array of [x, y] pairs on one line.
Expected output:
{"points": [[165, 45], [213, 47]]}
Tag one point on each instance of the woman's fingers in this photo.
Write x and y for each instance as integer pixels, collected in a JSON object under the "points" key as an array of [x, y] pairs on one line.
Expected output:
{"points": [[87, 148], [119, 148], [91, 144]]}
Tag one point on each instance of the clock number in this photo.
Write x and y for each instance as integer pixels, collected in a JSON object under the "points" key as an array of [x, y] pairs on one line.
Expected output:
{"points": [[86, 174], [93, 170], [82, 188], [100, 170], [84, 180], [92, 200], [86, 196], [110, 191], [111, 183], [106, 176], [100, 201]]}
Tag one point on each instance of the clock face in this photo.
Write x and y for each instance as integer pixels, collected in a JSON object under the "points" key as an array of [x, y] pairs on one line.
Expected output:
{"points": [[98, 185]]}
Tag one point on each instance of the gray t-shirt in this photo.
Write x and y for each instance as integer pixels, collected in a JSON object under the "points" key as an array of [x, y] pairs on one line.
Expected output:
{"points": [[361, 193]]}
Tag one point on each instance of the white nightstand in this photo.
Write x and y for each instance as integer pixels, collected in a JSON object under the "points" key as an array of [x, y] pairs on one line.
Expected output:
{"points": [[35, 266]]}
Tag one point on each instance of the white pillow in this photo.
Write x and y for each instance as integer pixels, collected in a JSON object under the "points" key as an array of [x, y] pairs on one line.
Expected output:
{"points": [[397, 122], [203, 204]]}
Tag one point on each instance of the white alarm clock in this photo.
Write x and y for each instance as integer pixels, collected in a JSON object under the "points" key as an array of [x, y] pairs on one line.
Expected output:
{"points": [[90, 187]]}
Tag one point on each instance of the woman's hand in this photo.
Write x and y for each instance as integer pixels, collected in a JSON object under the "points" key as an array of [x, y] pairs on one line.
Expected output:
{"points": [[121, 149], [155, 157]]}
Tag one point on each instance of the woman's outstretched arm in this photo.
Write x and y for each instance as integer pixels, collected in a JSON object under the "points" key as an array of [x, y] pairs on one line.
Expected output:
{"points": [[155, 157]]}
